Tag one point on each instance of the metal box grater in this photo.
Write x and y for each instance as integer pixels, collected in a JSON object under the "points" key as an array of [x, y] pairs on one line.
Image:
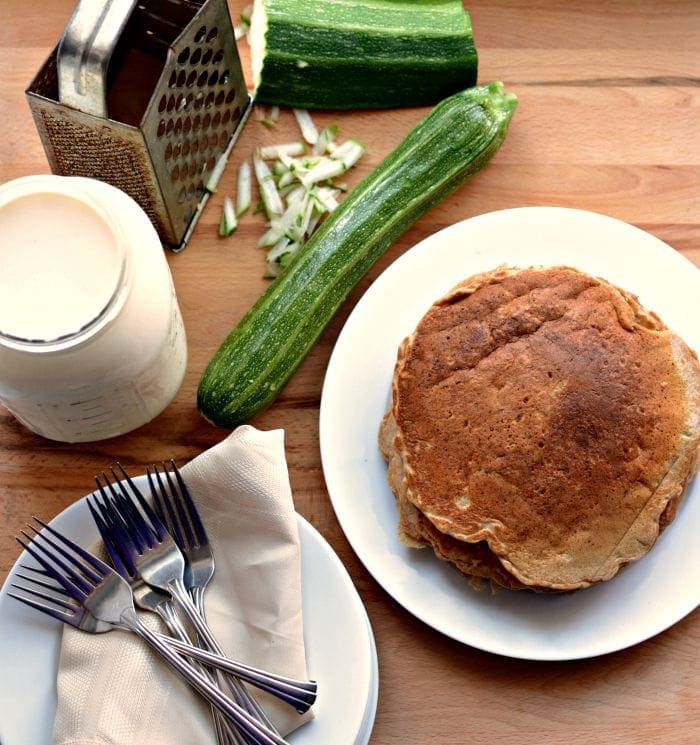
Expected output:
{"points": [[146, 95]]}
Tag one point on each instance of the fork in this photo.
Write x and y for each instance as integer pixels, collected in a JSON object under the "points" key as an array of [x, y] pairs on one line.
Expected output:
{"points": [[176, 510], [199, 565], [162, 565], [299, 694], [95, 587], [146, 597], [57, 604], [109, 523]]}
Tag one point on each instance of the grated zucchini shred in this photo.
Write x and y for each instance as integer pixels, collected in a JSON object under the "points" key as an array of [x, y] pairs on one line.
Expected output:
{"points": [[297, 187]]}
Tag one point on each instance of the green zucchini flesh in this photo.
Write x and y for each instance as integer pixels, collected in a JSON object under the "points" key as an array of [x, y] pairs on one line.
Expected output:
{"points": [[348, 54], [259, 356]]}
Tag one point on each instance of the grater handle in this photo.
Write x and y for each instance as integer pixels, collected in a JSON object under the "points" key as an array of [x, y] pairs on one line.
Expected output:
{"points": [[85, 50]]}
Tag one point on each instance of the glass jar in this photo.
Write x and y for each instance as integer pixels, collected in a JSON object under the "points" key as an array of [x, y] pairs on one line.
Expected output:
{"points": [[91, 337]]}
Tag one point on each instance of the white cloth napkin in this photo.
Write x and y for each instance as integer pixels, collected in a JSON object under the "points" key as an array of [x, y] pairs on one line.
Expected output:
{"points": [[113, 690]]}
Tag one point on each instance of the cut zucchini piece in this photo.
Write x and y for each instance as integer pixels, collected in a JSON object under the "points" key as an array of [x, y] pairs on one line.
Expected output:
{"points": [[349, 54]]}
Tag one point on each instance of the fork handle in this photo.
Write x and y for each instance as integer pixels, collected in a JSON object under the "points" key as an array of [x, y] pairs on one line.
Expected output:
{"points": [[239, 692], [182, 597], [256, 731], [300, 694], [226, 733]]}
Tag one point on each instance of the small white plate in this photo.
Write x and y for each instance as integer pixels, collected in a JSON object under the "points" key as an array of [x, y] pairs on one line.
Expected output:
{"points": [[340, 649], [645, 598]]}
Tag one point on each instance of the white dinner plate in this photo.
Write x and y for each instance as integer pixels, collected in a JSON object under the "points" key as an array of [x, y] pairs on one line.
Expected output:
{"points": [[340, 649], [643, 599]]}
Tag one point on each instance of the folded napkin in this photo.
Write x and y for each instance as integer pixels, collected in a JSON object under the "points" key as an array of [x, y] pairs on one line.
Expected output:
{"points": [[113, 690]]}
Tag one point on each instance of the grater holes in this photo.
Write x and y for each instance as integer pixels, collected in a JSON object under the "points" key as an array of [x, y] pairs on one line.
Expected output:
{"points": [[162, 104], [200, 117], [161, 128]]}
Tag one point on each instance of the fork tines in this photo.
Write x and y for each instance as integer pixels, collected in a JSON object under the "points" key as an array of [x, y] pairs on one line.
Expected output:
{"points": [[113, 530], [79, 571], [127, 522], [46, 596], [175, 506], [153, 526], [75, 572]]}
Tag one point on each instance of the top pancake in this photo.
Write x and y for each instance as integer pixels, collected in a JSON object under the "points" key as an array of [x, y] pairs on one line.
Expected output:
{"points": [[547, 413]]}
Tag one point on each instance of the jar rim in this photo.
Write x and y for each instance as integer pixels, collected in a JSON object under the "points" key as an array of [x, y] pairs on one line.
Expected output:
{"points": [[78, 189]]}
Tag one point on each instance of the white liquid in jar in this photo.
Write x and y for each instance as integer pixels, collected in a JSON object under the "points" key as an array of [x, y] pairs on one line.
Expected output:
{"points": [[60, 266], [91, 338]]}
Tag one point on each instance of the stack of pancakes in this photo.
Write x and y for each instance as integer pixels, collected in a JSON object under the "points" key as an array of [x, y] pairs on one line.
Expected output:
{"points": [[543, 429]]}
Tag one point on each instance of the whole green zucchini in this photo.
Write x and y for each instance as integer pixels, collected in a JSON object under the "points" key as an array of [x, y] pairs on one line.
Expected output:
{"points": [[259, 356], [348, 54]]}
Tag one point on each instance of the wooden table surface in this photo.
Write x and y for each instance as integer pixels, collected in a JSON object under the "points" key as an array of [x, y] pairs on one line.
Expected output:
{"points": [[608, 121]]}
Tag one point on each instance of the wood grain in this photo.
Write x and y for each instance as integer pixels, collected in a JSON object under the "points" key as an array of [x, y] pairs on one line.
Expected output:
{"points": [[609, 101]]}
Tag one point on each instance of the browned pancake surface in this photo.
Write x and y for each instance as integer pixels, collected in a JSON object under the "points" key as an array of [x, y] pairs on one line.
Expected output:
{"points": [[545, 413], [416, 531]]}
